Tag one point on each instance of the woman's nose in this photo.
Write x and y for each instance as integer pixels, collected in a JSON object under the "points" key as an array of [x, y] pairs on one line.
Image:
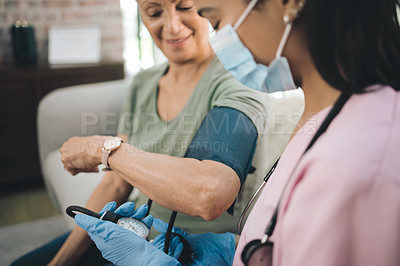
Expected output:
{"points": [[173, 23]]}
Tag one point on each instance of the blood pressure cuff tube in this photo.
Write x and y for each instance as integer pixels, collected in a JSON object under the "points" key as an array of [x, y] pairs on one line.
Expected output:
{"points": [[228, 136]]}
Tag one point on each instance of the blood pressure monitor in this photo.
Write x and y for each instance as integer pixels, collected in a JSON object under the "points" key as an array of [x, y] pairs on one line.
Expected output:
{"points": [[129, 223], [134, 225], [139, 228]]}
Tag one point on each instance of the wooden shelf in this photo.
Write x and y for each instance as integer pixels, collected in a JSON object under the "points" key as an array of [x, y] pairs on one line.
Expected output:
{"points": [[21, 89]]}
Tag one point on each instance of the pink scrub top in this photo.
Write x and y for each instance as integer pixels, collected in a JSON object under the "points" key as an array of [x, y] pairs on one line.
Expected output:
{"points": [[342, 203]]}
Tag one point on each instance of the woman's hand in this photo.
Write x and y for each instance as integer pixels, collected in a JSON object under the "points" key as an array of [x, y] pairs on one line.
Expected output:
{"points": [[82, 154]]}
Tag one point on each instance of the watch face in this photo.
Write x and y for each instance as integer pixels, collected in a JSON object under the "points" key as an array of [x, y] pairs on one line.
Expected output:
{"points": [[135, 225], [112, 143]]}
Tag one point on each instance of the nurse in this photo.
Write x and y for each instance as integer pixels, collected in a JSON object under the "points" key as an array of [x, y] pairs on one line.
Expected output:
{"points": [[334, 196]]}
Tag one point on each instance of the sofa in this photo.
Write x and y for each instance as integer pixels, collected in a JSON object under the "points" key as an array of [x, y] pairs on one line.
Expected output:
{"points": [[83, 110]]}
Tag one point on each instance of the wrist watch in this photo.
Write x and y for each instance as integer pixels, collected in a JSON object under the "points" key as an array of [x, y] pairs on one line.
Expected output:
{"points": [[110, 145]]}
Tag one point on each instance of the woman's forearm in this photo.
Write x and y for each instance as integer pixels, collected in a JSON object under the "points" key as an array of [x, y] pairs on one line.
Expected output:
{"points": [[111, 188], [197, 188]]}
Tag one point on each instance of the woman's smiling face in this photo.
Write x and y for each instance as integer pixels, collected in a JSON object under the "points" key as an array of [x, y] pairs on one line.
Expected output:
{"points": [[176, 28]]}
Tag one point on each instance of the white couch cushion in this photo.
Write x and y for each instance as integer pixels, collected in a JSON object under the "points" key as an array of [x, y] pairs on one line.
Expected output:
{"points": [[69, 189]]}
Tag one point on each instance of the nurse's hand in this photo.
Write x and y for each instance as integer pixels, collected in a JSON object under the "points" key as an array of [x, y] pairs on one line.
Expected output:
{"points": [[119, 245], [208, 248], [82, 154]]}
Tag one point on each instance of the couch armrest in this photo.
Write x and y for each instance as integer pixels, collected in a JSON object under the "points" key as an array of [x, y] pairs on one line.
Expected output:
{"points": [[83, 110]]}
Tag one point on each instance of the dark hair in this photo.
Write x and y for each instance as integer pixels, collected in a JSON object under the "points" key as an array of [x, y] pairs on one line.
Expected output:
{"points": [[354, 43]]}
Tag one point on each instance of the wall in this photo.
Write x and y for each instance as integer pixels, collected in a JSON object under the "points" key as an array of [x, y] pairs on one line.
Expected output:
{"points": [[45, 13]]}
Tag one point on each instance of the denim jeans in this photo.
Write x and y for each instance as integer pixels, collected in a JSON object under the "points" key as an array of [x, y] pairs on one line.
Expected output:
{"points": [[43, 255]]}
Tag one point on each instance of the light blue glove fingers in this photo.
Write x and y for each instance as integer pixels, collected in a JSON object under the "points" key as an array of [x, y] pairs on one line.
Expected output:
{"points": [[126, 210], [231, 246], [160, 226], [86, 222], [108, 207], [148, 220], [158, 241], [95, 226], [212, 249], [121, 246], [140, 212], [175, 247], [226, 247]]}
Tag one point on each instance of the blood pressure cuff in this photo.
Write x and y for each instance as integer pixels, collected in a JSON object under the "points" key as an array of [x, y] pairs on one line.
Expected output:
{"points": [[228, 136]]}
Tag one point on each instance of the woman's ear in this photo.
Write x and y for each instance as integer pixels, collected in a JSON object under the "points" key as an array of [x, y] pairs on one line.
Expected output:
{"points": [[292, 8]]}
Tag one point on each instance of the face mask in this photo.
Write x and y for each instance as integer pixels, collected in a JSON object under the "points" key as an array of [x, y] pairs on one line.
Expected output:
{"points": [[239, 61]]}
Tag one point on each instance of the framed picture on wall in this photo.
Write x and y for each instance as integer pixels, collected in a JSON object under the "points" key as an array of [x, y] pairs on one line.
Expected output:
{"points": [[74, 44]]}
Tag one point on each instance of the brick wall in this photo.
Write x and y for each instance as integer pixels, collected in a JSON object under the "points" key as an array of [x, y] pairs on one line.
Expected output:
{"points": [[45, 13]]}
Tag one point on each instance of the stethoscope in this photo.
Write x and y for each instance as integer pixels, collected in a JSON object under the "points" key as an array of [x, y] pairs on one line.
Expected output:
{"points": [[259, 251], [254, 196]]}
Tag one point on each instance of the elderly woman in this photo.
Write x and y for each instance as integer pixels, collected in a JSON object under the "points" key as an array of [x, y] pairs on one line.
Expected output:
{"points": [[186, 139], [334, 196]]}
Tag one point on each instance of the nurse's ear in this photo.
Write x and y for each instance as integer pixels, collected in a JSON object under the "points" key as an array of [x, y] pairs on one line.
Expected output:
{"points": [[292, 8]]}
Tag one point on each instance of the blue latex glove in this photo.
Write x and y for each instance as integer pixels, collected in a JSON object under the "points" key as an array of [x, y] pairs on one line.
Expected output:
{"points": [[208, 248], [119, 245], [175, 247]]}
